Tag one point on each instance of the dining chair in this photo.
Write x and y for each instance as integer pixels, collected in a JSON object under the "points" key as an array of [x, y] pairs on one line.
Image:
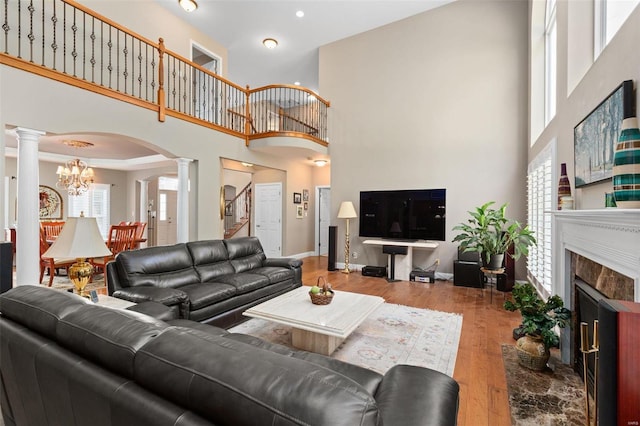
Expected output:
{"points": [[53, 264], [121, 238], [140, 227], [52, 229]]}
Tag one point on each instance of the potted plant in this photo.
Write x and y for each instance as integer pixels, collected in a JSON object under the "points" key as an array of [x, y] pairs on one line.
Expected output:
{"points": [[539, 320], [490, 233]]}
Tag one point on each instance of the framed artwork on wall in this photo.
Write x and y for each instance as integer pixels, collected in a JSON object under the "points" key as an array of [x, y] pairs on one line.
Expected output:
{"points": [[297, 198], [305, 195], [51, 206], [596, 135], [299, 212]]}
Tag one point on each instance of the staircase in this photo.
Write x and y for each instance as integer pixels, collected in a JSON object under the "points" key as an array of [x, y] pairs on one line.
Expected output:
{"points": [[237, 213]]}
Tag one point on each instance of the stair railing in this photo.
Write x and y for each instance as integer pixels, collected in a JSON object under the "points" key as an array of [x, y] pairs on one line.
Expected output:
{"points": [[238, 213]]}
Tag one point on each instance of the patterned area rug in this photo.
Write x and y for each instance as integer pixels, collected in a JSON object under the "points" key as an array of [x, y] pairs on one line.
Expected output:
{"points": [[63, 283], [392, 334], [553, 397]]}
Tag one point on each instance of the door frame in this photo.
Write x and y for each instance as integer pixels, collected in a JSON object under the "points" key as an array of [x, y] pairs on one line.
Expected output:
{"points": [[316, 225]]}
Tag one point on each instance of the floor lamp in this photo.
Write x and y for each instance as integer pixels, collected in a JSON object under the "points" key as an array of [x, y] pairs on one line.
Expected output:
{"points": [[347, 211]]}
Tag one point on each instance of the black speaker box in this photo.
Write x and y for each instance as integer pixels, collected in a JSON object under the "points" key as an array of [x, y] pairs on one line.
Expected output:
{"points": [[6, 266], [374, 271], [394, 249], [331, 264]]}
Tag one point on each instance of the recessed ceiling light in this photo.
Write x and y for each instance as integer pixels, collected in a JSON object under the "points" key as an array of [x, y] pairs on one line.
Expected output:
{"points": [[299, 14], [270, 43], [297, 83], [247, 164], [320, 163], [188, 5]]}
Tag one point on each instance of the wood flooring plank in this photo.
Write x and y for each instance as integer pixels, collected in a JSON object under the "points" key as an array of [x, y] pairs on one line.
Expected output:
{"points": [[486, 326]]}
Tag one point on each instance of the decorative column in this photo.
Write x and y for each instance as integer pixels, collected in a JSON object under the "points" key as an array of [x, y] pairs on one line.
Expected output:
{"points": [[28, 229], [183, 200]]}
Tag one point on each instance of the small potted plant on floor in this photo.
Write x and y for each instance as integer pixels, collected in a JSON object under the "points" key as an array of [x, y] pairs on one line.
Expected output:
{"points": [[539, 320], [490, 233]]}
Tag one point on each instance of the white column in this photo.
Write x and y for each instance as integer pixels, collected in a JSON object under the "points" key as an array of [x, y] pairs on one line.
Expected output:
{"points": [[183, 199], [28, 230]]}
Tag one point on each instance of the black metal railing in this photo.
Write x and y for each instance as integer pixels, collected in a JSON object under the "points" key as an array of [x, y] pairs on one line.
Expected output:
{"points": [[65, 40]]}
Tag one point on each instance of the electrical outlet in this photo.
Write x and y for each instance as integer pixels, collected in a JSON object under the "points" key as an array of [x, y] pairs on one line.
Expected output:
{"points": [[354, 254], [437, 261]]}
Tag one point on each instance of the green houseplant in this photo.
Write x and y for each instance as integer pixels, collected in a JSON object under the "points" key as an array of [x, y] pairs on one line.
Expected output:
{"points": [[490, 233], [539, 320]]}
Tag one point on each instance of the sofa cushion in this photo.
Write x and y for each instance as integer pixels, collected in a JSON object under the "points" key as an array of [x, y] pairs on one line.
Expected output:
{"points": [[245, 253], [208, 293], [26, 305], [245, 282], [209, 374], [109, 337], [162, 266], [275, 274], [210, 259]]}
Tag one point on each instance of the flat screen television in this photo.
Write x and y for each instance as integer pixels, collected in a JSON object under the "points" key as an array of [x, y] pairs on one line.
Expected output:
{"points": [[414, 214]]}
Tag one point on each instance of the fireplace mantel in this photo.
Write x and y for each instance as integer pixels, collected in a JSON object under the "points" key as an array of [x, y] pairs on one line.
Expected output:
{"points": [[610, 237]]}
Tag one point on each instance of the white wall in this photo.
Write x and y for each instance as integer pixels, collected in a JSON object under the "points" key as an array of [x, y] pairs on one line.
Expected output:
{"points": [[437, 100], [584, 83]]}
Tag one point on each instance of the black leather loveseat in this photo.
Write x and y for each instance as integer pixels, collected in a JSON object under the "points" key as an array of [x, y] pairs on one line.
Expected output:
{"points": [[211, 281], [66, 361]]}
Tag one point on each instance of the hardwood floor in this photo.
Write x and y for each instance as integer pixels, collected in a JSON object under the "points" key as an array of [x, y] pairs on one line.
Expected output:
{"points": [[486, 326]]}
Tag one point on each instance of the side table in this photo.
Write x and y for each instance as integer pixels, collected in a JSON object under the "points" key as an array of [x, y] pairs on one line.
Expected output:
{"points": [[491, 275]]}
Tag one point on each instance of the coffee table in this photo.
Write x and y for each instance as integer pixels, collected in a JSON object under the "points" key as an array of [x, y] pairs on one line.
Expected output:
{"points": [[317, 328]]}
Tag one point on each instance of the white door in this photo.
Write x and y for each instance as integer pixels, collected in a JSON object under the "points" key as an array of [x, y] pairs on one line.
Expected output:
{"points": [[167, 212], [268, 218], [323, 220]]}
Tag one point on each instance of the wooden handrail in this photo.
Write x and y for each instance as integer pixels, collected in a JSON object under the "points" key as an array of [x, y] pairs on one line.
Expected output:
{"points": [[194, 106]]}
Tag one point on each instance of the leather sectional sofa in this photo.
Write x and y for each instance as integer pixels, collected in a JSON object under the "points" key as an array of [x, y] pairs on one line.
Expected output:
{"points": [[66, 361], [211, 281]]}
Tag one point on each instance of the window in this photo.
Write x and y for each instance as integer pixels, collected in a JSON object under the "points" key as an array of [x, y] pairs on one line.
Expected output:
{"points": [[93, 203], [550, 64], [609, 17], [540, 194]]}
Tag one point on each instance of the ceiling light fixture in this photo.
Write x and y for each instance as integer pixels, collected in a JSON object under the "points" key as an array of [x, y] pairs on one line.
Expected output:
{"points": [[299, 14], [270, 43], [75, 175], [247, 164], [188, 5], [320, 163], [297, 83]]}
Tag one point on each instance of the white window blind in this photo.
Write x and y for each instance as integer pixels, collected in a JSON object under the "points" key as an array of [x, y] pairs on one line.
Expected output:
{"points": [[540, 195], [93, 203]]}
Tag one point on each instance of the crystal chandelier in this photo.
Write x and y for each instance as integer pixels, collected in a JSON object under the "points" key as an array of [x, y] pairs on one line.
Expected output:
{"points": [[75, 176]]}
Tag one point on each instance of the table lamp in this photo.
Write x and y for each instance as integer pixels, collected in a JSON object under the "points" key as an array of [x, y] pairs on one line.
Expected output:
{"points": [[79, 238], [347, 211]]}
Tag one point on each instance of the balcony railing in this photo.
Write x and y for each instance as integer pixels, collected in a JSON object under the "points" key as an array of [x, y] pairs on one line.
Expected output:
{"points": [[68, 42]]}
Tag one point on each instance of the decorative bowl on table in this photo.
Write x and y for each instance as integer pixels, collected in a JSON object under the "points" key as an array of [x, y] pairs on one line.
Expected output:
{"points": [[321, 293]]}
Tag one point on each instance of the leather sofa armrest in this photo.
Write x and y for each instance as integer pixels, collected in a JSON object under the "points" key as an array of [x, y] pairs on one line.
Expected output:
{"points": [[112, 277], [285, 262], [166, 296], [403, 385]]}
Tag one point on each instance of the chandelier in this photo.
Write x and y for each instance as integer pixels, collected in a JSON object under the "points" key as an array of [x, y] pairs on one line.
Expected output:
{"points": [[75, 177]]}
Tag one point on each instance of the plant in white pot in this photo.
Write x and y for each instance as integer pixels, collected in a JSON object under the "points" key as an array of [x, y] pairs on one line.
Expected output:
{"points": [[490, 233]]}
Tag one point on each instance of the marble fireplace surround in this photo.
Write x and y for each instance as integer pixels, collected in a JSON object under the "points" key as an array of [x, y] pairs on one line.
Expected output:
{"points": [[610, 237]]}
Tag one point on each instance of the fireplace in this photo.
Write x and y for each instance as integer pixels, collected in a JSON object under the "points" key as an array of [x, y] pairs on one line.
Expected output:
{"points": [[597, 257]]}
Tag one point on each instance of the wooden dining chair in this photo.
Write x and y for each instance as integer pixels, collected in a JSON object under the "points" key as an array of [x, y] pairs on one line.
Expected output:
{"points": [[121, 238], [140, 227], [52, 229], [53, 264]]}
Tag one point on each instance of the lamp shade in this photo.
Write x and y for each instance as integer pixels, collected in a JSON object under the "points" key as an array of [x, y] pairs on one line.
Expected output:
{"points": [[347, 211], [79, 238]]}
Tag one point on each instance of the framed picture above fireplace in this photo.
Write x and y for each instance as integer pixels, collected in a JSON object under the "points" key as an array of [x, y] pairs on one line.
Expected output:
{"points": [[596, 135]]}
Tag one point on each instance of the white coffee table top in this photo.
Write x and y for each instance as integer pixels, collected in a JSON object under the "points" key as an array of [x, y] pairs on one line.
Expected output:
{"points": [[113, 302], [339, 318]]}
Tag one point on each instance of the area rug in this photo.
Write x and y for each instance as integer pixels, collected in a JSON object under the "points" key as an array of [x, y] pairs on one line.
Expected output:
{"points": [[553, 397], [392, 334]]}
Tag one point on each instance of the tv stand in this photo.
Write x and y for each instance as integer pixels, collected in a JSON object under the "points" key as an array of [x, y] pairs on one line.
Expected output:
{"points": [[403, 251]]}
